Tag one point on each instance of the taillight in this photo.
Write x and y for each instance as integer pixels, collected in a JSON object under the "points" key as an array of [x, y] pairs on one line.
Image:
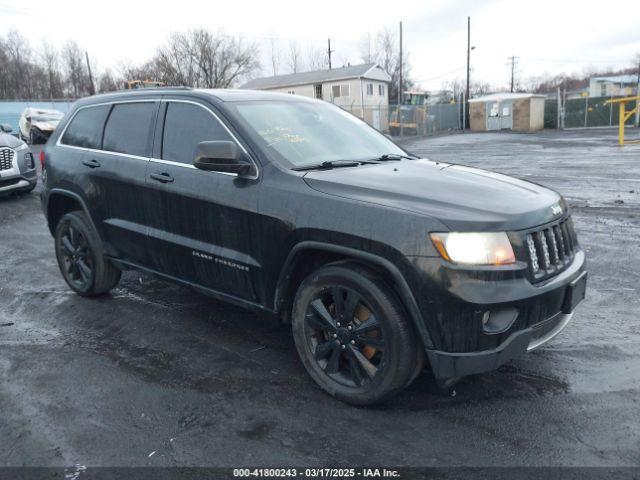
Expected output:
{"points": [[42, 159]]}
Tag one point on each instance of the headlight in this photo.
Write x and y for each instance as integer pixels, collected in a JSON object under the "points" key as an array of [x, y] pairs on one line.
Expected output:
{"points": [[22, 147], [486, 248]]}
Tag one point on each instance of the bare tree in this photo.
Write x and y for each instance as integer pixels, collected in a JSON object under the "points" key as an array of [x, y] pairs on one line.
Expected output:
{"points": [[18, 54], [107, 82], [199, 58], [367, 49], [275, 56], [384, 50], [49, 59], [76, 77], [480, 88], [455, 87], [295, 57], [315, 58]]}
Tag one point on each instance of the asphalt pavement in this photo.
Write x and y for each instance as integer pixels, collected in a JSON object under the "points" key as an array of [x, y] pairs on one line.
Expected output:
{"points": [[158, 375]]}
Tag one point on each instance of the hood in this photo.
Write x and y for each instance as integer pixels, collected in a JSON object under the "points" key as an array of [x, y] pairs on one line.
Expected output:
{"points": [[463, 198], [10, 141], [45, 126]]}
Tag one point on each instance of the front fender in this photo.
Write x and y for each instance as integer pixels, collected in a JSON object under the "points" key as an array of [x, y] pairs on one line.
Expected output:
{"points": [[399, 282]]}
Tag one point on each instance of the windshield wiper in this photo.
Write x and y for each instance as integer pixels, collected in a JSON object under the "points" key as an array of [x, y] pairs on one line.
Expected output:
{"points": [[393, 156], [333, 164]]}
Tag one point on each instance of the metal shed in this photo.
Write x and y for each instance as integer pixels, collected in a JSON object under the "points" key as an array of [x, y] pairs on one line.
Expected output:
{"points": [[522, 112]]}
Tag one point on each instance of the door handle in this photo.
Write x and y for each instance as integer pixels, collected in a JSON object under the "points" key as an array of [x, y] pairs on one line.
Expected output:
{"points": [[91, 163], [162, 177]]}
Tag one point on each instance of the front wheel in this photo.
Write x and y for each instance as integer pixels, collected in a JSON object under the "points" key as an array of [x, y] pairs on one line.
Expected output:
{"points": [[352, 334], [80, 257]]}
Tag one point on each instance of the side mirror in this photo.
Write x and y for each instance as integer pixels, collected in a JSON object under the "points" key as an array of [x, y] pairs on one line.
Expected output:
{"points": [[28, 118], [222, 156], [5, 128]]}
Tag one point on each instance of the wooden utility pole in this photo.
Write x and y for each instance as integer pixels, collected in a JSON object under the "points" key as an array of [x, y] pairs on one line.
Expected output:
{"points": [[513, 69], [92, 88], [329, 51], [466, 99]]}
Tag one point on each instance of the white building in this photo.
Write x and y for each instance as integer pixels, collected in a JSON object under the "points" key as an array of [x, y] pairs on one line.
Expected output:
{"points": [[360, 89], [614, 86]]}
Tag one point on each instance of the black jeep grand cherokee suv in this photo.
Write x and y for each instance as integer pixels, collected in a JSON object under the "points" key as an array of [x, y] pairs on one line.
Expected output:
{"points": [[380, 260]]}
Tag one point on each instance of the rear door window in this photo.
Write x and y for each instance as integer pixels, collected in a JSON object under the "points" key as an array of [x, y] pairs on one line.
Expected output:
{"points": [[128, 128], [85, 129], [185, 126]]}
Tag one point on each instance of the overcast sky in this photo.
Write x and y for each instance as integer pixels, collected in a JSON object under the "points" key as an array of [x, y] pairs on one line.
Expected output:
{"points": [[547, 36]]}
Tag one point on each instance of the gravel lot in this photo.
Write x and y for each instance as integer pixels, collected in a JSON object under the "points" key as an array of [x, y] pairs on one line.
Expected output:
{"points": [[159, 375]]}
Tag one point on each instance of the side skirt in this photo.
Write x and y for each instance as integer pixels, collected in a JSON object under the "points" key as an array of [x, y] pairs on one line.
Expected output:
{"points": [[225, 297]]}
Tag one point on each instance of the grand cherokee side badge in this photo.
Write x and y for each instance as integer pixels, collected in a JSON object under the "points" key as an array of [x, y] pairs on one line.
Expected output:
{"points": [[221, 261]]}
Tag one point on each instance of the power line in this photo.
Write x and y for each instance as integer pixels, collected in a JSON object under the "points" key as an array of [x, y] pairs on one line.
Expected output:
{"points": [[557, 60], [442, 75]]}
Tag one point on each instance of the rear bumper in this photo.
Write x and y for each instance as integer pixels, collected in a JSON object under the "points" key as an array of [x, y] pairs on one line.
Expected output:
{"points": [[455, 365]]}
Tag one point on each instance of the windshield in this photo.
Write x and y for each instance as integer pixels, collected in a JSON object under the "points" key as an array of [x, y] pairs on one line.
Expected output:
{"points": [[303, 134]]}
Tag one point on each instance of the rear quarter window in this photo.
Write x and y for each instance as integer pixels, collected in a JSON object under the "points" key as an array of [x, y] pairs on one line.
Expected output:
{"points": [[128, 128], [85, 129]]}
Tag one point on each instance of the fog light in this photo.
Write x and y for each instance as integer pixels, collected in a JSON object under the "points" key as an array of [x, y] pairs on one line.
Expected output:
{"points": [[499, 320], [29, 162]]}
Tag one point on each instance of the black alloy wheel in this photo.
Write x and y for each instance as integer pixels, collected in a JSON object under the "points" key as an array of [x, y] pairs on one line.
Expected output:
{"points": [[347, 338], [352, 334], [80, 256], [77, 259]]}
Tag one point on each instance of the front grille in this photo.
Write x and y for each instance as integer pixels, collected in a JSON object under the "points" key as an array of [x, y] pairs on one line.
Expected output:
{"points": [[6, 158], [551, 249]]}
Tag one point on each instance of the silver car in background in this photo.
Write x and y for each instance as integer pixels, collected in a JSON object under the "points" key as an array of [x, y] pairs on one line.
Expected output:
{"points": [[37, 124], [17, 165]]}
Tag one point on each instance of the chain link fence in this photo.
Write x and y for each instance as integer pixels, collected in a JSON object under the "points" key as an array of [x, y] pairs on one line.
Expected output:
{"points": [[584, 112], [410, 120]]}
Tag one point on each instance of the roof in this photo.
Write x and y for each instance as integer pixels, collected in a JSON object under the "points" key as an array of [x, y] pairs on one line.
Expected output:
{"points": [[504, 96], [617, 79], [317, 76], [219, 94], [236, 95]]}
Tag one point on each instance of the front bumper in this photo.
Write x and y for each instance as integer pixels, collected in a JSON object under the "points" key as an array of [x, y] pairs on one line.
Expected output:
{"points": [[18, 177], [455, 365], [454, 300]]}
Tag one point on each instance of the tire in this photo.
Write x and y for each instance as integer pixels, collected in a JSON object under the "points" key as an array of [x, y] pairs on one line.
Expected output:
{"points": [[353, 335], [80, 257], [33, 137]]}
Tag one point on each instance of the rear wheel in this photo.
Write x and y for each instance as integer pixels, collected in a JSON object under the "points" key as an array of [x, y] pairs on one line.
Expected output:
{"points": [[80, 257], [352, 334]]}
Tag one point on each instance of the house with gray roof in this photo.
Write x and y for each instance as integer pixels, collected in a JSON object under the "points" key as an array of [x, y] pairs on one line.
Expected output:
{"points": [[614, 86], [361, 89]]}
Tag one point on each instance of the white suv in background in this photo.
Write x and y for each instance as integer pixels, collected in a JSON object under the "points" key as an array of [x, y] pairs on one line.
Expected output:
{"points": [[17, 165], [37, 125]]}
